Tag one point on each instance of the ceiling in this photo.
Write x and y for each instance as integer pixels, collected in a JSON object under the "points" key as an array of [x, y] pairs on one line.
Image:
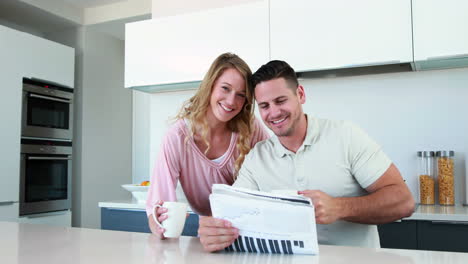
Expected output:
{"points": [[91, 3], [25, 16]]}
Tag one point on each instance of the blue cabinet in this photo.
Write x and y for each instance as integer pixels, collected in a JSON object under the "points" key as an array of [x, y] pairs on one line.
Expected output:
{"points": [[135, 220]]}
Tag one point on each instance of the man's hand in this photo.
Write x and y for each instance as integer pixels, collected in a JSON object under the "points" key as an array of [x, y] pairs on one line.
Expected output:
{"points": [[216, 234], [327, 208]]}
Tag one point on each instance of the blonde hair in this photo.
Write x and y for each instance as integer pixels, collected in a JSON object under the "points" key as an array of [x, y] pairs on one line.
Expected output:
{"points": [[195, 108]]}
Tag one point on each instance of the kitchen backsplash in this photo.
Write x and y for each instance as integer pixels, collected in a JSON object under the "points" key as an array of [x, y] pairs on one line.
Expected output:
{"points": [[404, 112]]}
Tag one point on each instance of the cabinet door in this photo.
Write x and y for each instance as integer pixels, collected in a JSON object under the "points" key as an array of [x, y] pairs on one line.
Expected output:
{"points": [[440, 29], [48, 60], [391, 235], [134, 220], [443, 236], [10, 114], [317, 34], [9, 211], [59, 218], [180, 49]]}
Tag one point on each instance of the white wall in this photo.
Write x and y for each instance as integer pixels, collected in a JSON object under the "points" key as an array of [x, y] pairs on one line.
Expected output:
{"points": [[404, 112], [103, 123], [106, 126]]}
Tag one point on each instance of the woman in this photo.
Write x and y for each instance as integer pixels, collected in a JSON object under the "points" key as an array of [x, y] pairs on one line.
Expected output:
{"points": [[214, 131]]}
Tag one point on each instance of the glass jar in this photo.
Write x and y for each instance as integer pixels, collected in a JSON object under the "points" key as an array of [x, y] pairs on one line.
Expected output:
{"points": [[426, 177], [445, 171]]}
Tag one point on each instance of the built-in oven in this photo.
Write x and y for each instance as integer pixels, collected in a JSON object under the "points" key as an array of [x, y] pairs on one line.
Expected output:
{"points": [[47, 110], [45, 177]]}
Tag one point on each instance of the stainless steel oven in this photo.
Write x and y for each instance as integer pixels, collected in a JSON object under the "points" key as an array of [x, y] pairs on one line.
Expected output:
{"points": [[45, 178], [47, 110]]}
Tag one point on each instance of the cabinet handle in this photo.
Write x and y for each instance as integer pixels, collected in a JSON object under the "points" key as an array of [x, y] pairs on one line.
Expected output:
{"points": [[6, 203], [447, 57], [50, 98], [449, 222], [48, 158]]}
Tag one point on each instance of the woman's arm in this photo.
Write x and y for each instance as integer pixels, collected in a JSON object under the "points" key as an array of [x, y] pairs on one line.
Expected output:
{"points": [[164, 179]]}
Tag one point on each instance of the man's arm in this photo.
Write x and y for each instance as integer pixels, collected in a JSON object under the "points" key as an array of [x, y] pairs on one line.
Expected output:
{"points": [[389, 199]]}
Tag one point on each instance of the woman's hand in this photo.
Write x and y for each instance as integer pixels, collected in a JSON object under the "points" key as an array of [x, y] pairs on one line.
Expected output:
{"points": [[155, 228], [216, 234]]}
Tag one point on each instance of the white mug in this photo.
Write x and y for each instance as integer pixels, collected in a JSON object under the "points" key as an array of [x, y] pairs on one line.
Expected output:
{"points": [[285, 192], [176, 215]]}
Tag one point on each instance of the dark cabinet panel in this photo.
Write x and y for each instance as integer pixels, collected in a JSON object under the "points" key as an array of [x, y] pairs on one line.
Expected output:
{"points": [[443, 236], [425, 235], [401, 235], [137, 221]]}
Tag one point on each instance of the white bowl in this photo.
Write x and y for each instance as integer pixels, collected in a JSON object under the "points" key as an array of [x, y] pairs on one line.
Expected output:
{"points": [[140, 193]]}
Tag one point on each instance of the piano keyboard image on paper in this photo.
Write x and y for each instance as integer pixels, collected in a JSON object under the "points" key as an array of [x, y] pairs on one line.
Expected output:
{"points": [[258, 245]]}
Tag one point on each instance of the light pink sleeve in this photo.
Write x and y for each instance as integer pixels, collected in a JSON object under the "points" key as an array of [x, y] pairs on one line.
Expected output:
{"points": [[259, 133], [166, 171]]}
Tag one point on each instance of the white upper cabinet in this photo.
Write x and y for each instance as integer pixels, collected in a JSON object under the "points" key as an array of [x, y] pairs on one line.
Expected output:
{"points": [[440, 29], [180, 48], [318, 34], [46, 60]]}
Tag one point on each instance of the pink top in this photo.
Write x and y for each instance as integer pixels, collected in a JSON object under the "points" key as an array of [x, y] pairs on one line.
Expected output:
{"points": [[183, 161]]}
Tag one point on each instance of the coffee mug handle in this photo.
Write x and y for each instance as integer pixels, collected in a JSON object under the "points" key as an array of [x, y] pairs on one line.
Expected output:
{"points": [[154, 215]]}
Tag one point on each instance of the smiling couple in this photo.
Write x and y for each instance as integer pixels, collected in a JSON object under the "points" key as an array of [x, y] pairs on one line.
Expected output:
{"points": [[216, 139]]}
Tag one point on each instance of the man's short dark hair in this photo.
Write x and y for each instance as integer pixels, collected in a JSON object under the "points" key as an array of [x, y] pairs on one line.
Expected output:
{"points": [[273, 70]]}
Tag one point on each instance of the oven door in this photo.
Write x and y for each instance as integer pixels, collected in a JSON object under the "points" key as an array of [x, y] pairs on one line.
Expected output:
{"points": [[46, 116], [45, 183]]}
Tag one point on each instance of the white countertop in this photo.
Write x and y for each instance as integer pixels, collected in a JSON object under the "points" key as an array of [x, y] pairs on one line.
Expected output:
{"points": [[26, 244], [123, 204], [457, 213], [131, 204]]}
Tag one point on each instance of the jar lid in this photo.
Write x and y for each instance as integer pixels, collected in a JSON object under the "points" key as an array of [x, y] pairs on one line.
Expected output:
{"points": [[445, 153], [425, 154]]}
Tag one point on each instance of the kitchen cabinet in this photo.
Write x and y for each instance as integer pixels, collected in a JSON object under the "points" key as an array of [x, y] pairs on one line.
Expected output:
{"points": [[9, 211], [440, 33], [135, 220], [59, 218], [179, 49], [48, 60], [10, 122], [402, 235], [23, 55], [318, 35], [443, 235], [425, 235]]}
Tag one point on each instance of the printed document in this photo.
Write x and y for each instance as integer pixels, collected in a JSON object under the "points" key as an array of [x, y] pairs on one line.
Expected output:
{"points": [[267, 223]]}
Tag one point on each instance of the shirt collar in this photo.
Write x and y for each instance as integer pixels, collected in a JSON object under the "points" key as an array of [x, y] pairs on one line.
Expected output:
{"points": [[312, 135]]}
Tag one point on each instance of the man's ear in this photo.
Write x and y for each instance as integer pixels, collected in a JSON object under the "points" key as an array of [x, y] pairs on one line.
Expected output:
{"points": [[301, 94]]}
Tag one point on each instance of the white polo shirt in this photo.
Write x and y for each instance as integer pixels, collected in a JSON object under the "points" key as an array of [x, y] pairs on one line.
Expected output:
{"points": [[336, 157]]}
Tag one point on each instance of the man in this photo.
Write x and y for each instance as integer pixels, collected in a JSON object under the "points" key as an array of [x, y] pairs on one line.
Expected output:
{"points": [[351, 182]]}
